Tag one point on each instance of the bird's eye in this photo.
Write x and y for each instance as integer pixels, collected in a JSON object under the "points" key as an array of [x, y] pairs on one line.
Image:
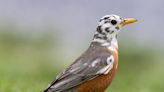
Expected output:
{"points": [[114, 22]]}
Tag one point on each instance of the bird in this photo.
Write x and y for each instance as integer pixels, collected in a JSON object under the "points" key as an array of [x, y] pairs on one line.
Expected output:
{"points": [[95, 69]]}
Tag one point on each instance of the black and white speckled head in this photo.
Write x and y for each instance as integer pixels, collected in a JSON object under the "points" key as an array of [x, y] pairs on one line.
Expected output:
{"points": [[109, 27]]}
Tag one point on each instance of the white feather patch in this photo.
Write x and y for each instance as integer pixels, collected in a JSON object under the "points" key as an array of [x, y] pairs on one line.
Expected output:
{"points": [[95, 62], [106, 69]]}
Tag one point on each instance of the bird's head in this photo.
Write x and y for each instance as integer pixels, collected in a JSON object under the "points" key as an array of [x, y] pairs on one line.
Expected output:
{"points": [[111, 24], [109, 27]]}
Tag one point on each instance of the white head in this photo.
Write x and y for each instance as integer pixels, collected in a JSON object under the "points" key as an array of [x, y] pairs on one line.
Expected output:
{"points": [[109, 27]]}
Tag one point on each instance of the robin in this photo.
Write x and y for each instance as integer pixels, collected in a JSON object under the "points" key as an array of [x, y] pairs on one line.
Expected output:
{"points": [[94, 70]]}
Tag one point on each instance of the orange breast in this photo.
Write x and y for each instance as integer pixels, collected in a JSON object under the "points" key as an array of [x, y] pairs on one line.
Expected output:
{"points": [[100, 83]]}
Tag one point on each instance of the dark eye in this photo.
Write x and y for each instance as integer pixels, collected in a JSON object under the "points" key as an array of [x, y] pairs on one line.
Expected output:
{"points": [[114, 22]]}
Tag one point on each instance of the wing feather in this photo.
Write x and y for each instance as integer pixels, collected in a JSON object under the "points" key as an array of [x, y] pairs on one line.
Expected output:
{"points": [[83, 69]]}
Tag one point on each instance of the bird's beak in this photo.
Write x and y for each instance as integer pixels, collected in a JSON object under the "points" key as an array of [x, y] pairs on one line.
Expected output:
{"points": [[128, 21]]}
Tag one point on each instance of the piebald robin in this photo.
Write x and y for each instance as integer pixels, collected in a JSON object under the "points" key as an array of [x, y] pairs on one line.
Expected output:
{"points": [[94, 70]]}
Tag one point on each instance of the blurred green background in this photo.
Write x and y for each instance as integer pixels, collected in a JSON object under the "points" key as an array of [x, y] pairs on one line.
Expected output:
{"points": [[38, 39], [30, 63]]}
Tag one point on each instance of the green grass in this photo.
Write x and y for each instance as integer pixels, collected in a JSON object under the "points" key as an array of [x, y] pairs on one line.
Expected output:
{"points": [[30, 65]]}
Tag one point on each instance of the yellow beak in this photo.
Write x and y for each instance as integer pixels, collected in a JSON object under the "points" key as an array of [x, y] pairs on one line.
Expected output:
{"points": [[128, 21]]}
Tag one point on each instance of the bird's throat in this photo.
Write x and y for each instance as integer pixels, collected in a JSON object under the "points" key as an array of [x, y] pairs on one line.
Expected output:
{"points": [[110, 41]]}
